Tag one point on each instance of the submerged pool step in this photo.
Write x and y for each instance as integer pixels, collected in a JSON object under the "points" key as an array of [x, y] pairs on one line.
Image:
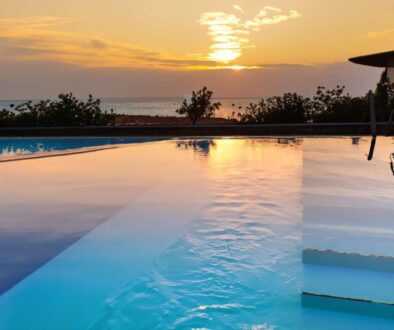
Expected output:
{"points": [[348, 305], [349, 289], [351, 260]]}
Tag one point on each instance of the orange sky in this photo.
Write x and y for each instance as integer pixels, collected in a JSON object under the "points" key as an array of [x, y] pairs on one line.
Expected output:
{"points": [[187, 36]]}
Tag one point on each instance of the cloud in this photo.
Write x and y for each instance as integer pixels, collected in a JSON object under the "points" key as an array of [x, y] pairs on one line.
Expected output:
{"points": [[238, 8], [98, 44], [36, 39], [269, 8], [227, 35], [228, 32], [264, 18], [381, 34], [33, 22]]}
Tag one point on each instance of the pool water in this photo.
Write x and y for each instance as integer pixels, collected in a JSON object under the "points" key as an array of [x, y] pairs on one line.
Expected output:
{"points": [[22, 146], [194, 234], [238, 264]]}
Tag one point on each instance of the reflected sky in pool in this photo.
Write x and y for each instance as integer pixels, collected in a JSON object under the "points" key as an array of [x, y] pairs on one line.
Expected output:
{"points": [[201, 234]]}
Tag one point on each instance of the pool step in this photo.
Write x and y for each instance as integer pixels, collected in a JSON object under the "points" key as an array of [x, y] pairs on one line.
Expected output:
{"points": [[351, 260], [348, 289], [348, 305]]}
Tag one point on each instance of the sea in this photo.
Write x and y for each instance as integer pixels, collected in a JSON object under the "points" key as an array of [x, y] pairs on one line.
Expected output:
{"points": [[158, 106]]}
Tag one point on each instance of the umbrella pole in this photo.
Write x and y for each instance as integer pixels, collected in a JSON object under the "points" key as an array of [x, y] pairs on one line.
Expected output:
{"points": [[372, 116]]}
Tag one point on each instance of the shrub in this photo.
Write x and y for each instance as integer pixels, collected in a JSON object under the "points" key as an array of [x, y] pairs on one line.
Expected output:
{"points": [[200, 106], [66, 111], [289, 108]]}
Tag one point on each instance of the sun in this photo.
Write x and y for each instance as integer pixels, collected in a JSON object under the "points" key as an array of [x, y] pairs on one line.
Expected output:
{"points": [[224, 55], [238, 67]]}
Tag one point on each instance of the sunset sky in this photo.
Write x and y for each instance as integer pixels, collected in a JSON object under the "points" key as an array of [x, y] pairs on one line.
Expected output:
{"points": [[123, 48]]}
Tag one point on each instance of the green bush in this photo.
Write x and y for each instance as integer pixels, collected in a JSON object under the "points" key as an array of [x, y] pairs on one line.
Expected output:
{"points": [[327, 106], [330, 106], [200, 106], [67, 110]]}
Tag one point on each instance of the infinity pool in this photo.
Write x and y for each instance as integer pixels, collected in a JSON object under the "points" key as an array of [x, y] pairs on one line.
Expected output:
{"points": [[22, 146], [177, 234]]}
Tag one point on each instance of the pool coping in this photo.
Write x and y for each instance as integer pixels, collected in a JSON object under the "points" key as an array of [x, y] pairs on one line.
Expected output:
{"points": [[372, 262], [324, 129]]}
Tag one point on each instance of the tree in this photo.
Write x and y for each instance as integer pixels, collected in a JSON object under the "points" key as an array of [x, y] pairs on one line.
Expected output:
{"points": [[200, 106], [253, 114], [333, 105], [289, 108], [7, 118], [384, 97]]}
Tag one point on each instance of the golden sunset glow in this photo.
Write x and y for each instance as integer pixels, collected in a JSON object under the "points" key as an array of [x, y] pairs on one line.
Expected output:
{"points": [[35, 38], [229, 33], [185, 37], [231, 36], [38, 37]]}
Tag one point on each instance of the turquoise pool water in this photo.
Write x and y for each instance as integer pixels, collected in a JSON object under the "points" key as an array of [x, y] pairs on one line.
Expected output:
{"points": [[200, 234], [18, 146]]}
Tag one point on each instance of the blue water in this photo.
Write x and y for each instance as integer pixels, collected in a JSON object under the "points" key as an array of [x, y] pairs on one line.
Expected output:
{"points": [[20, 146], [213, 240], [237, 265]]}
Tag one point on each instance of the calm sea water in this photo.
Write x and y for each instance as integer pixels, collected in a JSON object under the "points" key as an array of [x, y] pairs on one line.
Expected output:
{"points": [[158, 106]]}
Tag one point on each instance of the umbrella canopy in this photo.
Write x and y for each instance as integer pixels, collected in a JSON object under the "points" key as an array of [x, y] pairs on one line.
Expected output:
{"points": [[381, 60]]}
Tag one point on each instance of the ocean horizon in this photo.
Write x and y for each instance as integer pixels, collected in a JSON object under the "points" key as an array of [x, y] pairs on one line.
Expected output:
{"points": [[158, 106]]}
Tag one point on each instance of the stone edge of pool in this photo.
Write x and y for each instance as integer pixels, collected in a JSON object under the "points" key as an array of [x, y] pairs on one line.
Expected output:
{"points": [[328, 129]]}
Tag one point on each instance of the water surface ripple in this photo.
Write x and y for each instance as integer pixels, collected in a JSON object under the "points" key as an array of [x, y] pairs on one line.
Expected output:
{"points": [[238, 265]]}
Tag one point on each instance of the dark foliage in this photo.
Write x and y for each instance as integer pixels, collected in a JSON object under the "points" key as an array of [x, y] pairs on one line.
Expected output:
{"points": [[254, 114], [66, 111], [330, 106], [327, 106], [384, 97], [289, 108], [200, 106]]}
